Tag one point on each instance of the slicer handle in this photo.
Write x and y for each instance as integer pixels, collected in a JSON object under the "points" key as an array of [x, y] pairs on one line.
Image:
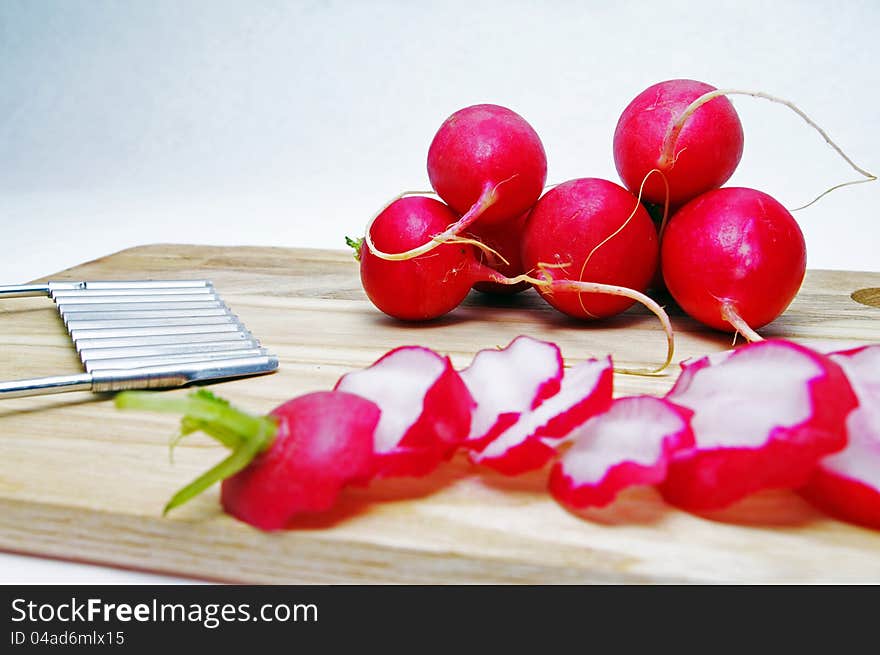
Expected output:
{"points": [[147, 377], [23, 290], [47, 385]]}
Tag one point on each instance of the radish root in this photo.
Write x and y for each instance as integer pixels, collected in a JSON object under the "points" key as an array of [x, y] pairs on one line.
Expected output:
{"points": [[488, 198], [478, 244], [731, 316], [580, 286], [674, 130], [625, 223]]}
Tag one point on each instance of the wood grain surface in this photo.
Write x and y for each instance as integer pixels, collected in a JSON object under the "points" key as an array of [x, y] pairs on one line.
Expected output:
{"points": [[81, 480]]}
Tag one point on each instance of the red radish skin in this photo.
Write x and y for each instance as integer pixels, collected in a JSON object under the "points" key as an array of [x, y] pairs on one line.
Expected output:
{"points": [[526, 441], [763, 417], [506, 240], [629, 444], [845, 498], [486, 161], [426, 409], [733, 252], [847, 484], [488, 164], [706, 151], [568, 224], [508, 382], [426, 286], [324, 442], [294, 461]]}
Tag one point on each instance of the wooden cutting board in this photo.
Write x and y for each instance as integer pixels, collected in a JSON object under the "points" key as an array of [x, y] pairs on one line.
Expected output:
{"points": [[80, 480]]}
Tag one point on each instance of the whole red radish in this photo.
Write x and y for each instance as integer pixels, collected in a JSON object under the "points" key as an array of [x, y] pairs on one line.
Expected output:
{"points": [[487, 163], [423, 287], [734, 259], [592, 230], [505, 239], [295, 460], [702, 156]]}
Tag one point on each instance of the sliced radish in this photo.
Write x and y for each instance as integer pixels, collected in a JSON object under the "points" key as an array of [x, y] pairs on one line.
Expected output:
{"points": [[847, 484], [507, 382], [426, 409], [630, 444], [763, 416], [528, 441]]}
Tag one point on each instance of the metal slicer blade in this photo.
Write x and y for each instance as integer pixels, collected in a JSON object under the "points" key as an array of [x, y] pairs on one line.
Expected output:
{"points": [[144, 334]]}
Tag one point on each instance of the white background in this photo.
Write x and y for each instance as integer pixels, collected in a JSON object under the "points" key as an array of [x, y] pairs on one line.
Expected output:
{"points": [[289, 123]]}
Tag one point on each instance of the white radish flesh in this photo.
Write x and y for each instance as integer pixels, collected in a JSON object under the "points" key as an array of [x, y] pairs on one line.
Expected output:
{"points": [[763, 417], [514, 379], [630, 444], [531, 440]]}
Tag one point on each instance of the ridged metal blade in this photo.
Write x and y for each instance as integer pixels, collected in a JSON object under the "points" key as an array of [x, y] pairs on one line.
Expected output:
{"points": [[145, 334], [120, 363], [111, 315], [139, 306], [162, 339], [114, 285], [113, 333], [92, 354], [171, 292], [163, 320], [70, 302]]}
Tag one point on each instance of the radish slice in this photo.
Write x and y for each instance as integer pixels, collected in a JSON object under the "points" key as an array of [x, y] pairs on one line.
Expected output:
{"points": [[763, 416], [426, 409], [847, 484], [528, 441], [630, 444], [510, 381]]}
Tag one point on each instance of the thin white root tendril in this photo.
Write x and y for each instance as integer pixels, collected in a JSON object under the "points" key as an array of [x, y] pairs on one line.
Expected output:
{"points": [[595, 287], [486, 200], [676, 127], [731, 316]]}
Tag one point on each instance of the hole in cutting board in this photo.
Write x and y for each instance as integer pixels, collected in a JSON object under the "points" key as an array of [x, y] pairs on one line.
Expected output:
{"points": [[870, 296]]}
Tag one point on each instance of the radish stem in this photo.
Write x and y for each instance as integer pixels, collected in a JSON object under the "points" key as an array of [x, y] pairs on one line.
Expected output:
{"points": [[246, 435], [236, 461], [487, 198]]}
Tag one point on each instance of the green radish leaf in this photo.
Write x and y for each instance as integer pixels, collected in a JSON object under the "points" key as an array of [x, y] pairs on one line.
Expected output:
{"points": [[238, 460], [246, 435], [356, 244]]}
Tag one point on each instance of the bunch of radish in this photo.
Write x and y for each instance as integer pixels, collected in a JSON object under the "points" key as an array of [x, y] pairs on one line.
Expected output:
{"points": [[769, 415], [420, 256], [732, 258]]}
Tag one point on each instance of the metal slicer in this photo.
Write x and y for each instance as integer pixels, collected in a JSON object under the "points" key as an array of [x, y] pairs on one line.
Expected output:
{"points": [[144, 335]]}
